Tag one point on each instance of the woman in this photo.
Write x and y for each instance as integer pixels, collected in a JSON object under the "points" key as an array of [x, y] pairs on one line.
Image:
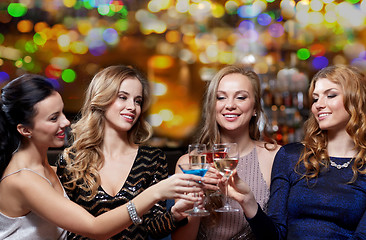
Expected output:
{"points": [[318, 188], [231, 113], [107, 166], [32, 200]]}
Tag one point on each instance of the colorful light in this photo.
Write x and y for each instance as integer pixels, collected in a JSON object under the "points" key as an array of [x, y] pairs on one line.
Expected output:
{"points": [[68, 75], [4, 77], [17, 9], [320, 62], [303, 53]]}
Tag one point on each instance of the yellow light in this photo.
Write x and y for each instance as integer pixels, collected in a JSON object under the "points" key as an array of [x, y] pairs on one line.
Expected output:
{"points": [[173, 36], [161, 62], [69, 3], [84, 26], [79, 47], [40, 26], [27, 59], [25, 26], [218, 10]]}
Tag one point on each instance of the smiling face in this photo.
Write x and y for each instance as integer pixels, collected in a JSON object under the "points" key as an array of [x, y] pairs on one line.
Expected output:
{"points": [[235, 102], [328, 107], [125, 110], [49, 125]]}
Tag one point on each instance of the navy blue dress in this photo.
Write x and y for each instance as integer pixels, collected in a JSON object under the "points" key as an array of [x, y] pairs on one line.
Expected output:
{"points": [[327, 207]]}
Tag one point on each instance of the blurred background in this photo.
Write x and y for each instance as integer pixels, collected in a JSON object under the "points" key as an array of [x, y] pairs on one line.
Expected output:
{"points": [[180, 45]]}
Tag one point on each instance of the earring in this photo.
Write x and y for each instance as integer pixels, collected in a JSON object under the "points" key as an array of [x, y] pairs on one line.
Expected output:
{"points": [[30, 136]]}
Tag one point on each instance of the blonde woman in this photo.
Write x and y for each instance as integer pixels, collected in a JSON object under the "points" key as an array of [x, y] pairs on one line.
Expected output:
{"points": [[318, 188], [231, 113], [33, 203], [107, 164]]}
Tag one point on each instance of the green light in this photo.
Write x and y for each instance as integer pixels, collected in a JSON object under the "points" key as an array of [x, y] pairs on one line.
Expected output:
{"points": [[2, 38], [68, 75], [353, 1], [303, 53], [103, 9], [30, 47], [17, 9], [87, 5], [39, 39], [121, 25], [123, 12]]}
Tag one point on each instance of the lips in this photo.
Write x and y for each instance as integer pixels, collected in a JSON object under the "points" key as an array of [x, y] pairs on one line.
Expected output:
{"points": [[128, 117], [61, 134], [322, 116]]}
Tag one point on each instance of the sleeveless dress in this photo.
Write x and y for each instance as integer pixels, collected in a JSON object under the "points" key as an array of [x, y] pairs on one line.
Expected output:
{"points": [[233, 225], [30, 226]]}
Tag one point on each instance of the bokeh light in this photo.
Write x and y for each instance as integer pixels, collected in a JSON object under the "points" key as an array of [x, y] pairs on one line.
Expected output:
{"points": [[17, 9], [68, 75]]}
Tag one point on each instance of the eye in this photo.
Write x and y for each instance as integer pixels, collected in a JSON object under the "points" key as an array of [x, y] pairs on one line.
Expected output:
{"points": [[122, 97], [332, 95], [220, 97], [138, 101], [54, 118], [242, 97], [315, 100]]}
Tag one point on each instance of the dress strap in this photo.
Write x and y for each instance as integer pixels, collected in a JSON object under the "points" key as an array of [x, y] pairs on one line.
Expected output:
{"points": [[27, 169]]}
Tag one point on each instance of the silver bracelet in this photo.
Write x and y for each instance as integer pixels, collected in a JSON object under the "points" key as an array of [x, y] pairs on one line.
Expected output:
{"points": [[133, 213]]}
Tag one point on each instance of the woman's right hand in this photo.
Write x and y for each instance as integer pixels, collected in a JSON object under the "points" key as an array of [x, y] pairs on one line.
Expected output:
{"points": [[241, 192], [178, 185]]}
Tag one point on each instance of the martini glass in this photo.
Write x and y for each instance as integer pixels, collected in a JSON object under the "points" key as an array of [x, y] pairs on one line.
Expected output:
{"points": [[226, 158], [198, 169]]}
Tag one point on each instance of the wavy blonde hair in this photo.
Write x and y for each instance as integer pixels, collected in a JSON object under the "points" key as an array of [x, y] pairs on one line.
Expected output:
{"points": [[315, 156], [85, 157], [209, 129]]}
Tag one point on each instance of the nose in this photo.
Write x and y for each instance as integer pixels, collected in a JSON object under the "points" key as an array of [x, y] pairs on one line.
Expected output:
{"points": [[131, 105], [230, 104], [320, 103], [64, 121]]}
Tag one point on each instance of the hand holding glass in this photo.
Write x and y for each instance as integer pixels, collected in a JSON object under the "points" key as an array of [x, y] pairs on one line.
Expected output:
{"points": [[197, 165], [226, 158]]}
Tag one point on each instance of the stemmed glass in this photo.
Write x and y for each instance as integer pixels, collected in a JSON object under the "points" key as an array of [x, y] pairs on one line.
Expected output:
{"points": [[226, 158], [198, 169]]}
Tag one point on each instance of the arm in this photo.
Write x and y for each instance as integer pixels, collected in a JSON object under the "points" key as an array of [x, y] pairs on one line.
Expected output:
{"points": [[273, 225], [160, 222], [360, 233], [66, 214], [190, 230]]}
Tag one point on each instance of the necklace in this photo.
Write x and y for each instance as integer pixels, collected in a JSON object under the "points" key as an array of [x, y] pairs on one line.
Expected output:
{"points": [[339, 166]]}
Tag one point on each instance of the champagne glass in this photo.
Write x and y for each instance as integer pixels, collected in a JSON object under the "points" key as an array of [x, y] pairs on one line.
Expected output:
{"points": [[198, 169], [197, 153], [226, 158]]}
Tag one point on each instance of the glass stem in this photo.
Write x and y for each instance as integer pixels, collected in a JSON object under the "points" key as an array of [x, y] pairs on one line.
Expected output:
{"points": [[226, 192]]}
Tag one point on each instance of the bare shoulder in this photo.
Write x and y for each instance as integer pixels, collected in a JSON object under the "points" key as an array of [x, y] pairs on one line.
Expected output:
{"points": [[183, 159], [267, 150]]}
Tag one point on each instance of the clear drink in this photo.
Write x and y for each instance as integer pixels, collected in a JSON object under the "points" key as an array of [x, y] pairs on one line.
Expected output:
{"points": [[226, 165], [196, 159]]}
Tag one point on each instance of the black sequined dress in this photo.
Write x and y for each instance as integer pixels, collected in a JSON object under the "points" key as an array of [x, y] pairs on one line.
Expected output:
{"points": [[150, 167]]}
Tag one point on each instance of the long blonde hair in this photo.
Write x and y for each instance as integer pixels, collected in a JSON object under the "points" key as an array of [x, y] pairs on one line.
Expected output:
{"points": [[84, 157], [315, 156]]}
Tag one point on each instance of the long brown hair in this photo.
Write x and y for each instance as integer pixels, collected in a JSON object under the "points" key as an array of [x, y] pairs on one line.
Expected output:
{"points": [[84, 158], [315, 156]]}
